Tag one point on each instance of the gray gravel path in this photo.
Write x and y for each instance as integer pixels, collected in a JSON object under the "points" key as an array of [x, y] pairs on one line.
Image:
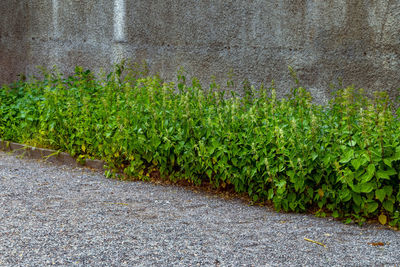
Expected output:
{"points": [[59, 215]]}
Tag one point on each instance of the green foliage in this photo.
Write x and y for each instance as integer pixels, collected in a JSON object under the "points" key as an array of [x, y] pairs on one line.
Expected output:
{"points": [[343, 159]]}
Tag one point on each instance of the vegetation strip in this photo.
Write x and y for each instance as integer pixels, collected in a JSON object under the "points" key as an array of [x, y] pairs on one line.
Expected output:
{"points": [[341, 160]]}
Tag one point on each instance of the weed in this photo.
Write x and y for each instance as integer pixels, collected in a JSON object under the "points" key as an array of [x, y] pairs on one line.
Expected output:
{"points": [[342, 159]]}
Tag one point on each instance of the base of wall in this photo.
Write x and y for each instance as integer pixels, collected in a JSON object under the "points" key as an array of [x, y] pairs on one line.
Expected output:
{"points": [[50, 155]]}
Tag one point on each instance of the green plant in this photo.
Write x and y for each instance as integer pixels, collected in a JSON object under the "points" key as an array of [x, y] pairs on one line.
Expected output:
{"points": [[341, 160]]}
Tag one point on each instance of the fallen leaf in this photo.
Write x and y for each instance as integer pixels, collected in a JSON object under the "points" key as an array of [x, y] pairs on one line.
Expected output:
{"points": [[320, 192], [376, 244], [382, 219], [315, 242]]}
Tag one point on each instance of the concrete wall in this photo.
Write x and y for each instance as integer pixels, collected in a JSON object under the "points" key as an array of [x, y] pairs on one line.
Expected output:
{"points": [[356, 40]]}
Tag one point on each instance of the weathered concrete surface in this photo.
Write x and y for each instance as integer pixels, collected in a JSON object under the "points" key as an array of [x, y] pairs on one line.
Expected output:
{"points": [[356, 40]]}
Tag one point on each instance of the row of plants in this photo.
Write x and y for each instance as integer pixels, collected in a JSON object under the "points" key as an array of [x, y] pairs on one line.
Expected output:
{"points": [[342, 159]]}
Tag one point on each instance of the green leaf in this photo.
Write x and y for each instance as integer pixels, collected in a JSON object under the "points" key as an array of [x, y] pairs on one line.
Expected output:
{"points": [[357, 163], [335, 214], [369, 174], [234, 162], [314, 155], [352, 143], [347, 156], [270, 193], [380, 194], [285, 204], [366, 188], [348, 220], [388, 205], [388, 162], [388, 190], [290, 173], [372, 206], [292, 198], [327, 160], [281, 183], [385, 174], [397, 154], [382, 174], [345, 195], [310, 192], [355, 188], [357, 199]]}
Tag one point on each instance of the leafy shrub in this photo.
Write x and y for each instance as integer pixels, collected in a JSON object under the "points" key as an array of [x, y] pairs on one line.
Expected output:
{"points": [[343, 159]]}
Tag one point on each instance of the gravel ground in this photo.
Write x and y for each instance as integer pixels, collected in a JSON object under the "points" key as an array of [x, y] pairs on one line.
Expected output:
{"points": [[58, 215]]}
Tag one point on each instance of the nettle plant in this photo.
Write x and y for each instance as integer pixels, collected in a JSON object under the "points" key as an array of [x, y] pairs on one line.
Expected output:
{"points": [[342, 159]]}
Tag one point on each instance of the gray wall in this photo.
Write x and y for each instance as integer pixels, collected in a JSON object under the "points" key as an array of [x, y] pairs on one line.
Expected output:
{"points": [[356, 40]]}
